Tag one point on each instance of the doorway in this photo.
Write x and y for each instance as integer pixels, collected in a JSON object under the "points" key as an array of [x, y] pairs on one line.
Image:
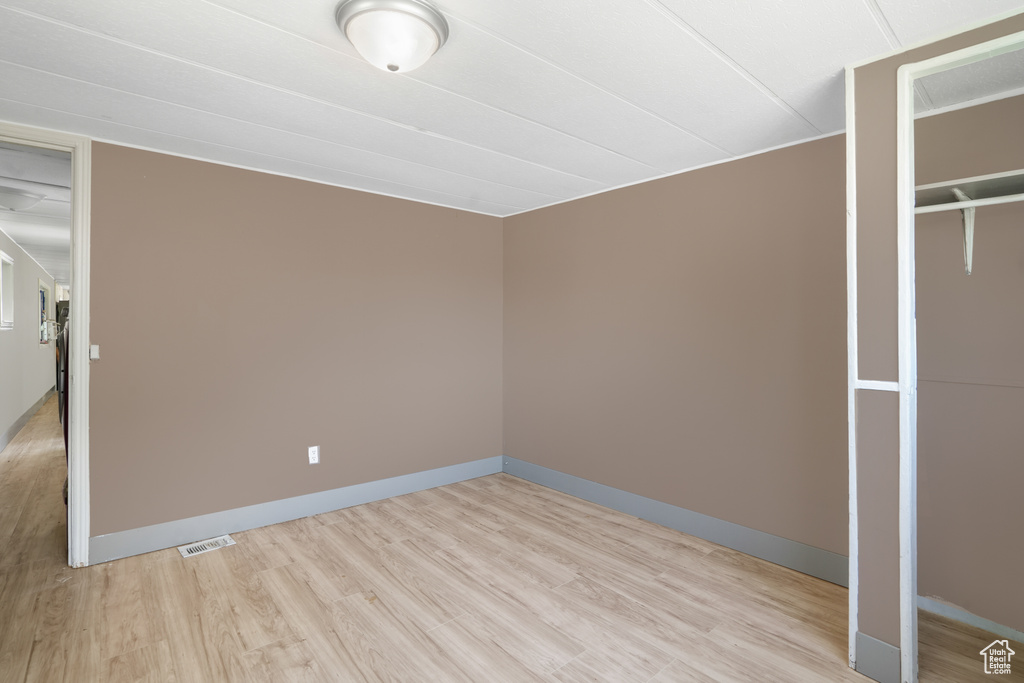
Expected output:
{"points": [[79, 148]]}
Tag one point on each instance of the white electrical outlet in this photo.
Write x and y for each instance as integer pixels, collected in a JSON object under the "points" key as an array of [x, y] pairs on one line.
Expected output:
{"points": [[314, 455]]}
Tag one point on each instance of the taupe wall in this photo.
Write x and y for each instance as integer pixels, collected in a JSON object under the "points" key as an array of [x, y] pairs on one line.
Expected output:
{"points": [[27, 369], [243, 317], [875, 87], [971, 371], [978, 140], [685, 340], [878, 471]]}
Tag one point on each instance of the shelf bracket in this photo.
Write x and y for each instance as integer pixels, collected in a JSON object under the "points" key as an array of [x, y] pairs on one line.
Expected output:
{"points": [[968, 219]]}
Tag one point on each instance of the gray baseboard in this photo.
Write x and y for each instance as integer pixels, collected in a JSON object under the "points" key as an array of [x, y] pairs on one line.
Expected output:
{"points": [[170, 534], [823, 564], [877, 659], [20, 423], [964, 617], [803, 558]]}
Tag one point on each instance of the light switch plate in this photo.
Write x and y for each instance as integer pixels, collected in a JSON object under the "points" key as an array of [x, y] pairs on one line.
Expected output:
{"points": [[94, 352]]}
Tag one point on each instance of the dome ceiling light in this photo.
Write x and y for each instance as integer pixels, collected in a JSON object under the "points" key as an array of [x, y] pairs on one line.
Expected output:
{"points": [[393, 35], [18, 200]]}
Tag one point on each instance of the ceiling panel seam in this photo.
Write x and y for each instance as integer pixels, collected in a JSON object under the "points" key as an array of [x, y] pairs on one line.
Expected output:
{"points": [[533, 122], [682, 25], [272, 156], [883, 23], [942, 35], [272, 171], [357, 112], [38, 182], [878, 14], [600, 88], [922, 92], [272, 128]]}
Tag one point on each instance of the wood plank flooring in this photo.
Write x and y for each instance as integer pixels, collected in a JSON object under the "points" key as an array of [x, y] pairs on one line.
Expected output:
{"points": [[489, 580]]}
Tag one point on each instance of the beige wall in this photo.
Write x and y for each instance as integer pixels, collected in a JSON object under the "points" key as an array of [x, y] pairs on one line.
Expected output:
{"points": [[971, 368], [875, 86], [685, 340], [243, 317], [977, 140], [27, 369]]}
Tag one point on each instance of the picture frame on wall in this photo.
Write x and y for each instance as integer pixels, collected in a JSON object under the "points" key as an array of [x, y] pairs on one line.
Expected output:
{"points": [[44, 310]]}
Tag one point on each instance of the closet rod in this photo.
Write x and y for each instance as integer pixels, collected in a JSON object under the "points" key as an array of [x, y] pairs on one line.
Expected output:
{"points": [[949, 206]]}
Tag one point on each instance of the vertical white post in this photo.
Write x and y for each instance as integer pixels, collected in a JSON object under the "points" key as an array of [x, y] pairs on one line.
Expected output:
{"points": [[907, 324], [851, 354], [78, 391]]}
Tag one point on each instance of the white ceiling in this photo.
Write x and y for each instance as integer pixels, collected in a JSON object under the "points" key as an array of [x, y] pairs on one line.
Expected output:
{"points": [[43, 230], [530, 103]]}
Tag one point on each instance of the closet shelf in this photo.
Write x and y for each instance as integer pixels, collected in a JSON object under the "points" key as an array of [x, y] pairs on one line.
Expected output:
{"points": [[985, 190]]}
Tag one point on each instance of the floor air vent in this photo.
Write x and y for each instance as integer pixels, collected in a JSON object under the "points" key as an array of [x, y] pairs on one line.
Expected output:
{"points": [[205, 546]]}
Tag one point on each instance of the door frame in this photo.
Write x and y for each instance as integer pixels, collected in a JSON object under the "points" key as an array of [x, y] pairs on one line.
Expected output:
{"points": [[907, 324], [80, 148]]}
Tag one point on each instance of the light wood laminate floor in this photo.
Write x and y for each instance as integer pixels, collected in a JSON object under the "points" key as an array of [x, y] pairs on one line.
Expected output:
{"points": [[489, 580]]}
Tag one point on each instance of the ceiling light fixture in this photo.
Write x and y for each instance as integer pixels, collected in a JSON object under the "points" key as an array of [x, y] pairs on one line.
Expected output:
{"points": [[393, 35], [17, 200]]}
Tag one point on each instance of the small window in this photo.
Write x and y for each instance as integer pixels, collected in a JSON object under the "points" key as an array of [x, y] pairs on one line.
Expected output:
{"points": [[6, 292]]}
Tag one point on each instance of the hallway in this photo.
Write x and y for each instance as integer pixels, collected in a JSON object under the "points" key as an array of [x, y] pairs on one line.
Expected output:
{"points": [[33, 522]]}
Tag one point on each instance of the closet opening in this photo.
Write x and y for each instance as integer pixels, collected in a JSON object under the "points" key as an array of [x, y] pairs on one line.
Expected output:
{"points": [[961, 347]]}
